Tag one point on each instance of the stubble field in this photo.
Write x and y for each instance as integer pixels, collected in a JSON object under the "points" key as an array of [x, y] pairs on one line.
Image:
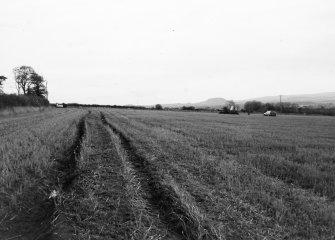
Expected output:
{"points": [[136, 174]]}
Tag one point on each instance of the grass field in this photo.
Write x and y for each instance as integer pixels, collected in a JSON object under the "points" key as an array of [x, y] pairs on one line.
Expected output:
{"points": [[31, 145], [136, 174]]}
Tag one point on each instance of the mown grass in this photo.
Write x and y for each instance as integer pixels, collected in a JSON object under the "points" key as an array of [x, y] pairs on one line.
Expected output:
{"points": [[171, 175], [7, 112], [145, 224], [173, 205], [107, 201], [250, 176], [30, 144]]}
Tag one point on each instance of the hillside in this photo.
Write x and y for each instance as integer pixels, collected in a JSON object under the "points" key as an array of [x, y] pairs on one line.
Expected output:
{"points": [[327, 98], [211, 103], [317, 98]]}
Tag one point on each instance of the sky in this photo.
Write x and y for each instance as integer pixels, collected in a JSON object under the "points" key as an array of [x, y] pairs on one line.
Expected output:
{"points": [[153, 51]]}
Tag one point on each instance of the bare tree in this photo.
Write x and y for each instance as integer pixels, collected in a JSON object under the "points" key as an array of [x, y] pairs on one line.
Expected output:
{"points": [[22, 78]]}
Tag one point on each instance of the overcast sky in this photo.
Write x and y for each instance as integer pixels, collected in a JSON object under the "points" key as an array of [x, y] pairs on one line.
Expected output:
{"points": [[147, 52]]}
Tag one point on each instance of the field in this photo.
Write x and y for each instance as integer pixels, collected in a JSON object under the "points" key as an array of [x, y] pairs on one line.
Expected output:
{"points": [[136, 174]]}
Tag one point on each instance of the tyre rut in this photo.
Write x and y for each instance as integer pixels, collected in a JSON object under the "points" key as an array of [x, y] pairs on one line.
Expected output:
{"points": [[66, 167], [36, 222], [162, 198], [96, 205]]}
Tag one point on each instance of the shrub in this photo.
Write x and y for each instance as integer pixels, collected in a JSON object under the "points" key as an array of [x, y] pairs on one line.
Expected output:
{"points": [[13, 100], [158, 107], [190, 108]]}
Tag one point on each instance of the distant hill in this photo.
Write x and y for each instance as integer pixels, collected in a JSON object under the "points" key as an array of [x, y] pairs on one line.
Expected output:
{"points": [[210, 103], [327, 98], [306, 99]]}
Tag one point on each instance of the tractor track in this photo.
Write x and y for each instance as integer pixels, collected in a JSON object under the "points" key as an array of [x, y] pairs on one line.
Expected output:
{"points": [[162, 198], [36, 222], [96, 206], [66, 167], [65, 173]]}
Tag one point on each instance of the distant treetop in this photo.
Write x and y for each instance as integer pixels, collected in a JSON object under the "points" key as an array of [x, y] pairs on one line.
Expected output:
{"points": [[158, 107], [2, 79], [29, 82]]}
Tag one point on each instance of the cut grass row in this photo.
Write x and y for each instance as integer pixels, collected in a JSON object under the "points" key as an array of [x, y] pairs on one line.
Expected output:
{"points": [[106, 201], [172, 204], [120, 194], [207, 155], [169, 175], [293, 150], [31, 144]]}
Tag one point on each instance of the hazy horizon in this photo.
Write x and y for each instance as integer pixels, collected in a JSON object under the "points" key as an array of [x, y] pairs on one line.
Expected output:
{"points": [[148, 52]]}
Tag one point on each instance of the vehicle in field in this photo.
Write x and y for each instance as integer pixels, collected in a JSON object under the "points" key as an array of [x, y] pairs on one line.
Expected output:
{"points": [[270, 113], [231, 110], [61, 105]]}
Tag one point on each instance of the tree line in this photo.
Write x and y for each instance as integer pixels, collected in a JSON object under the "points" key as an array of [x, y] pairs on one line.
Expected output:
{"points": [[260, 107], [287, 107], [27, 82], [2, 80], [31, 89]]}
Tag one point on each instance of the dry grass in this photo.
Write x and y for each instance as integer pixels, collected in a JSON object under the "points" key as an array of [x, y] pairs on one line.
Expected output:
{"points": [[96, 207], [107, 200], [21, 110], [29, 145], [250, 176], [172, 175], [146, 224]]}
